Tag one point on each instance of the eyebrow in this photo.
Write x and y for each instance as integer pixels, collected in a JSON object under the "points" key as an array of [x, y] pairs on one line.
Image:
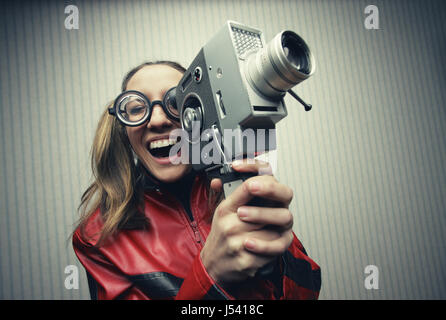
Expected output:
{"points": [[163, 92]]}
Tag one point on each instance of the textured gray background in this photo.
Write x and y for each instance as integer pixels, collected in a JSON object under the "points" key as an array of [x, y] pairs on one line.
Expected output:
{"points": [[367, 164]]}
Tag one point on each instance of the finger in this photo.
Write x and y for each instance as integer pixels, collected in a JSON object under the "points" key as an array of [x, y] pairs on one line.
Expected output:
{"points": [[269, 247], [237, 198], [259, 186], [252, 165], [216, 185], [231, 225], [280, 217], [269, 188]]}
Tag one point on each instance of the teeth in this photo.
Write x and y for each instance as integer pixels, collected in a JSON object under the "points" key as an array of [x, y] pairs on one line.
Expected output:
{"points": [[162, 143]]}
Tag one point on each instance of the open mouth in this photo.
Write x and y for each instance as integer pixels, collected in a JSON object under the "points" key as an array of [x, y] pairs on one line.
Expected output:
{"points": [[160, 149]]}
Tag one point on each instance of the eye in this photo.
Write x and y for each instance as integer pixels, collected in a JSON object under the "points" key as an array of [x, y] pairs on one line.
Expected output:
{"points": [[135, 110]]}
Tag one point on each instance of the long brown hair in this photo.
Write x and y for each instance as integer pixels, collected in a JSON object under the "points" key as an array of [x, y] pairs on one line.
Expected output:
{"points": [[115, 189]]}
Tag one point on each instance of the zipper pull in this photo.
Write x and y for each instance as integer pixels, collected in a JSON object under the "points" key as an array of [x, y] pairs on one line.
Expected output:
{"points": [[195, 229]]}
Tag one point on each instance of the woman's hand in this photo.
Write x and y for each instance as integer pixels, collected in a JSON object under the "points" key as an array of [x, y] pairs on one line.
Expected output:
{"points": [[245, 238]]}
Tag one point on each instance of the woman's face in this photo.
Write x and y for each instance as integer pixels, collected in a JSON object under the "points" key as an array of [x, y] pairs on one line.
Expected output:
{"points": [[147, 139]]}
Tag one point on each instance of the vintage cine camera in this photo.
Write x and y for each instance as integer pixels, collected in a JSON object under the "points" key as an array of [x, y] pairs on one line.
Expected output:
{"points": [[237, 83]]}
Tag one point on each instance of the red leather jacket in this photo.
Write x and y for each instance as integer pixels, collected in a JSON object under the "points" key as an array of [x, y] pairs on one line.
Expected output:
{"points": [[163, 261]]}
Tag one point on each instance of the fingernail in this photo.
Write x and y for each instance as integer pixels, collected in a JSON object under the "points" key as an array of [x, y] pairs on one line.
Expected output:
{"points": [[255, 186], [237, 163], [243, 212], [250, 244]]}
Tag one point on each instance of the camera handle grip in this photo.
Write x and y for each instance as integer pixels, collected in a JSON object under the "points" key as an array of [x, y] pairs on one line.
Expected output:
{"points": [[231, 180]]}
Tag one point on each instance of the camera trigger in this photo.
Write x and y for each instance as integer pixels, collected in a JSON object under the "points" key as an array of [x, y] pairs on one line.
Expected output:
{"points": [[295, 96]]}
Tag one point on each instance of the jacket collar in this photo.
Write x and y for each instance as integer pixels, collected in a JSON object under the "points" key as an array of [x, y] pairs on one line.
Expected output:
{"points": [[147, 180], [150, 182]]}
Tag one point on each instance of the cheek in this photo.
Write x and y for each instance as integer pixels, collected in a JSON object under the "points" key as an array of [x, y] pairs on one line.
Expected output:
{"points": [[135, 137]]}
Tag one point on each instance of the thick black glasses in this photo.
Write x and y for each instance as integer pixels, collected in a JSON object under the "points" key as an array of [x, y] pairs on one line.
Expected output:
{"points": [[133, 108]]}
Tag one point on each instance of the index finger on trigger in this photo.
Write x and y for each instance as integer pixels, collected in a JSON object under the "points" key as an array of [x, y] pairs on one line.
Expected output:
{"points": [[252, 165], [239, 197]]}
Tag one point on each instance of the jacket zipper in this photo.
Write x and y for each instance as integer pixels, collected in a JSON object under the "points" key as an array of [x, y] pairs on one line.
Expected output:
{"points": [[194, 226], [192, 223]]}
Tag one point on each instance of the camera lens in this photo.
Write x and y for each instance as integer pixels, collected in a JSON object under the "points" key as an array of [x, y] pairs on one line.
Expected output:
{"points": [[295, 53], [283, 63]]}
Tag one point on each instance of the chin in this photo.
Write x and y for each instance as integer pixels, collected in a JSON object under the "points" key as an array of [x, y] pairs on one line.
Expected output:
{"points": [[171, 173]]}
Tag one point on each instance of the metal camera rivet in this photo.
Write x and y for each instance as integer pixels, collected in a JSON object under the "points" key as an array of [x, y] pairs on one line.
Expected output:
{"points": [[198, 74], [219, 73]]}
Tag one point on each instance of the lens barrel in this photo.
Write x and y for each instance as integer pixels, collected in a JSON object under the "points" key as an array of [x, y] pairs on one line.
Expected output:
{"points": [[283, 63]]}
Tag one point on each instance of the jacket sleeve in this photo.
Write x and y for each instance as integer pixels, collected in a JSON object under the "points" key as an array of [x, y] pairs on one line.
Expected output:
{"points": [[301, 276], [296, 276], [198, 285]]}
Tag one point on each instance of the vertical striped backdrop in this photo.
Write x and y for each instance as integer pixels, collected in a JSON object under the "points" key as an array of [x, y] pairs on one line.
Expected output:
{"points": [[367, 164]]}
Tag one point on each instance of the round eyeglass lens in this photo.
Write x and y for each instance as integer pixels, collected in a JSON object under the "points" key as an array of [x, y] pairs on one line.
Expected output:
{"points": [[170, 103], [133, 108]]}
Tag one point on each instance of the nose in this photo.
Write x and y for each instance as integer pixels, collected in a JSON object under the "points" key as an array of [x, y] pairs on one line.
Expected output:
{"points": [[158, 119]]}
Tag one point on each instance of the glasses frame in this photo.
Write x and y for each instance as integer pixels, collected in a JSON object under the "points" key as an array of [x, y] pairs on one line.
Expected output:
{"points": [[115, 109]]}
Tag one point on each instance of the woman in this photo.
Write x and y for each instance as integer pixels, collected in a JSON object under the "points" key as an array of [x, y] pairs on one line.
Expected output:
{"points": [[154, 230]]}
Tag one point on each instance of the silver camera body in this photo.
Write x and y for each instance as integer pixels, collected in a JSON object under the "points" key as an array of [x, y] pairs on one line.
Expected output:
{"points": [[237, 82]]}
